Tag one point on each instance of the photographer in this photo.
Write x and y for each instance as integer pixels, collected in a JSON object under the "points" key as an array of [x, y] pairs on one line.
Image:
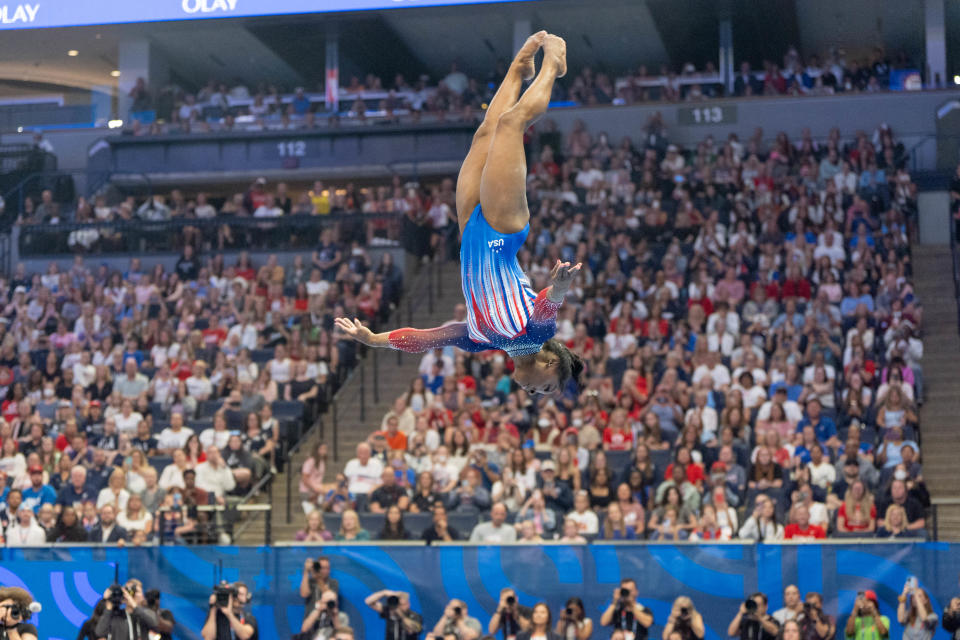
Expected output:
{"points": [[402, 622], [814, 623], [126, 617], [14, 613], [752, 621], [227, 619], [316, 579], [510, 617], [684, 620], [866, 623], [324, 618], [574, 623], [165, 620], [457, 623], [626, 614]]}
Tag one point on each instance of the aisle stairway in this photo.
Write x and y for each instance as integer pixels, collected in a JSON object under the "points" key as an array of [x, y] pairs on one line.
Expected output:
{"points": [[940, 414], [394, 379]]}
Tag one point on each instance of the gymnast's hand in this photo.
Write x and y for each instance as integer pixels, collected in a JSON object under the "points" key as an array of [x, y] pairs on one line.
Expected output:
{"points": [[354, 329], [561, 277]]}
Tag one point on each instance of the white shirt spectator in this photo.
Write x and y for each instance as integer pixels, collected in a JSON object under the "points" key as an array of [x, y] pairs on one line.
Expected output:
{"points": [[170, 439], [118, 500], [84, 374], [29, 536], [199, 388], [247, 333], [619, 344], [216, 480], [791, 409], [587, 522], [280, 370], [489, 533], [363, 478], [809, 372], [822, 475], [720, 375], [211, 436], [172, 476], [127, 424]]}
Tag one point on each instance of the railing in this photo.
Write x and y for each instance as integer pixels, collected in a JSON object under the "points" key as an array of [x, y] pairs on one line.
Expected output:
{"points": [[955, 259], [144, 236], [423, 290], [246, 505]]}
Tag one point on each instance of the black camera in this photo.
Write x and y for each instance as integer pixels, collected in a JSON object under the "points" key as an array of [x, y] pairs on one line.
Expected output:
{"points": [[223, 592], [568, 612], [684, 612], [750, 605], [393, 602], [316, 566], [116, 596], [331, 604], [511, 600], [624, 592], [458, 611], [152, 598], [18, 612]]}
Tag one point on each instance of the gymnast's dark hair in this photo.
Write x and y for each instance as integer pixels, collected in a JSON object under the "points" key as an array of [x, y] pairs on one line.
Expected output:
{"points": [[570, 364]]}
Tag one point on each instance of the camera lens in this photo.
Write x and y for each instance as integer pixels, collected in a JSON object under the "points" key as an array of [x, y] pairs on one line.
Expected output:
{"points": [[457, 611], [331, 604], [392, 601], [568, 611], [316, 565], [511, 600], [684, 611], [624, 593], [750, 605]]}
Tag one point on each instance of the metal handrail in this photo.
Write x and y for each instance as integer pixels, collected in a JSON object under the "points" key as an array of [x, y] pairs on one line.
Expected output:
{"points": [[955, 258]]}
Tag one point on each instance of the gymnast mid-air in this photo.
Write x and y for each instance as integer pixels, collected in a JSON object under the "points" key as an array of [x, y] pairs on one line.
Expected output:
{"points": [[503, 312]]}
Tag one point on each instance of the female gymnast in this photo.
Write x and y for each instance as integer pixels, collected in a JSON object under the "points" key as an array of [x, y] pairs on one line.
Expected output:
{"points": [[503, 312]]}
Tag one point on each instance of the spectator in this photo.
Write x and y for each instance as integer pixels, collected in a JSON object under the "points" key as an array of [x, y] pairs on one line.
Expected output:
{"points": [[857, 511], [496, 530], [350, 529], [541, 622], [107, 531], [314, 529], [894, 524], [951, 616], [214, 476], [792, 605], [583, 516], [68, 528], [393, 528], [440, 529], [801, 527], [915, 613], [470, 496], [865, 622], [311, 478], [25, 531], [901, 498], [363, 472]]}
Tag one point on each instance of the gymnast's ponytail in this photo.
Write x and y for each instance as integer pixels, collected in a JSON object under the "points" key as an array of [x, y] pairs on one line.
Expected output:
{"points": [[570, 364]]}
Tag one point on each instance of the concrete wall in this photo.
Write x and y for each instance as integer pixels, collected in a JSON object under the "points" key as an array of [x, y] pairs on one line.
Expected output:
{"points": [[934, 220]]}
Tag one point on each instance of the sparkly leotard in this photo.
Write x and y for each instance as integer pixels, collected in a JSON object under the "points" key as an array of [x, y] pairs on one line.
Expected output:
{"points": [[502, 310]]}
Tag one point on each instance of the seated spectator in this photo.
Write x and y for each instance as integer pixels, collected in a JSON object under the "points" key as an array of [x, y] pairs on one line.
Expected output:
{"points": [[135, 519], [364, 473], [824, 427], [535, 510], [822, 473], [899, 496], [115, 493], [350, 529], [890, 453], [570, 533], [857, 511], [24, 530], [38, 493], [388, 494], [496, 530], [556, 494], [68, 528], [440, 530], [339, 498], [800, 527], [678, 480], [393, 528], [311, 478], [218, 435], [424, 497], [633, 512], [107, 531], [314, 529], [682, 519], [214, 476], [762, 524], [175, 436]]}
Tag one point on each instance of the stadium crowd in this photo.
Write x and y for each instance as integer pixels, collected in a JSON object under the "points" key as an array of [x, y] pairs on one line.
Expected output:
{"points": [[221, 106], [137, 401], [752, 340]]}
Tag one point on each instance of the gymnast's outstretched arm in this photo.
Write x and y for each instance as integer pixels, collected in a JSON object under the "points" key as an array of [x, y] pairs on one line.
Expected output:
{"points": [[412, 340]]}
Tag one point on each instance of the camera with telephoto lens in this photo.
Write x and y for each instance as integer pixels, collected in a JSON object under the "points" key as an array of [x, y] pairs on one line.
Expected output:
{"points": [[458, 611], [316, 566], [511, 600], [624, 592], [750, 605], [684, 612], [393, 602], [568, 612], [223, 592]]}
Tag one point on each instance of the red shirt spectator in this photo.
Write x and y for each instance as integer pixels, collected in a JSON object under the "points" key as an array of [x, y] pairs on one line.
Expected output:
{"points": [[694, 472], [810, 531], [797, 288], [617, 439]]}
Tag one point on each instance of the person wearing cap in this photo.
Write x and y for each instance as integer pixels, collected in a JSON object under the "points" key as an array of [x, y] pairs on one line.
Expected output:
{"points": [[25, 531], [38, 493], [865, 622]]}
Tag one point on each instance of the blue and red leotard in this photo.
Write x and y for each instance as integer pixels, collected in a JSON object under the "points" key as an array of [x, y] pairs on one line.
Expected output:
{"points": [[502, 310]]}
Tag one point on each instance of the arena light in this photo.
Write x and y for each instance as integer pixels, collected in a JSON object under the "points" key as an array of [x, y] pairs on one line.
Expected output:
{"points": [[73, 53], [115, 73], [114, 124], [956, 79]]}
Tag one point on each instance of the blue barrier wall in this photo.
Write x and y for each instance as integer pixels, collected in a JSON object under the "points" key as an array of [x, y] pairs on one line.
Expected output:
{"points": [[68, 581]]}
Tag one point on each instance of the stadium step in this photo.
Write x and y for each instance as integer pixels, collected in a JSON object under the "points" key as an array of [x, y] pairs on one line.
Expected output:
{"points": [[394, 380], [940, 413]]}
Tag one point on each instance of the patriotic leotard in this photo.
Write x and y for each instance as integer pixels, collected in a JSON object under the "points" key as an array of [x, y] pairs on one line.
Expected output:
{"points": [[503, 312]]}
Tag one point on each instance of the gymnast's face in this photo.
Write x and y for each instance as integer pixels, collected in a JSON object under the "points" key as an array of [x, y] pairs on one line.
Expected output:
{"points": [[539, 374]]}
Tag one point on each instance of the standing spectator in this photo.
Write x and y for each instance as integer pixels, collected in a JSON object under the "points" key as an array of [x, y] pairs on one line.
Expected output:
{"points": [[792, 605], [915, 613], [951, 614], [865, 622], [311, 478]]}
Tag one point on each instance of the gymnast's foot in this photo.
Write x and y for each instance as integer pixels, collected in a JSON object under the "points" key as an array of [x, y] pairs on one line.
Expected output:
{"points": [[555, 49], [524, 59]]}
